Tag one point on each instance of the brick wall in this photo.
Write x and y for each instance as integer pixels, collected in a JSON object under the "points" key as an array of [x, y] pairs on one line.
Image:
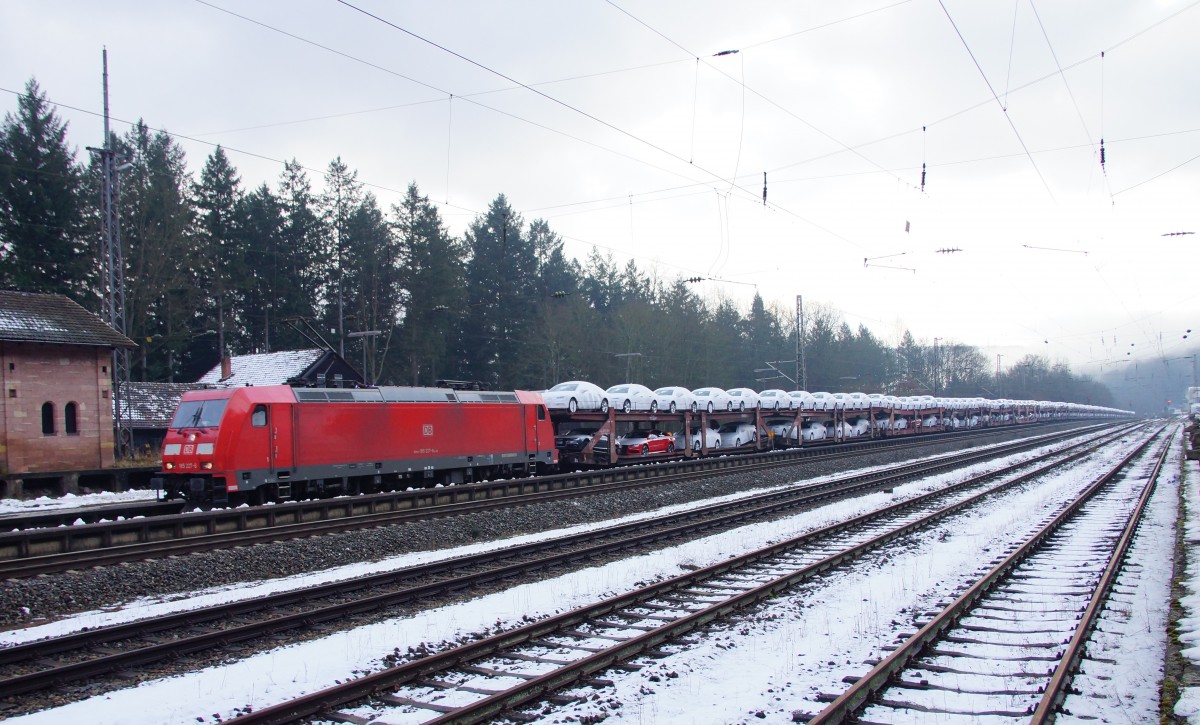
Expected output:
{"points": [[35, 374]]}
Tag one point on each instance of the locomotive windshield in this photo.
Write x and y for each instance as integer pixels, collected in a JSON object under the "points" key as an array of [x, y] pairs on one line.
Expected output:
{"points": [[199, 414]]}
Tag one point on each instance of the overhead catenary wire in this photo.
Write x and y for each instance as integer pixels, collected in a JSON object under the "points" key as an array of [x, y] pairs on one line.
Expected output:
{"points": [[756, 93], [613, 127], [1004, 110], [442, 93], [1012, 44]]}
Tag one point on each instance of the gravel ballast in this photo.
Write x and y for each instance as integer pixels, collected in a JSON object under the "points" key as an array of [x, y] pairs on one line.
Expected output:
{"points": [[26, 601]]}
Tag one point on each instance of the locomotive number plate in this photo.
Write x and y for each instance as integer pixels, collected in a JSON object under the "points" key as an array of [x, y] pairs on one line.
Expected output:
{"points": [[427, 429]]}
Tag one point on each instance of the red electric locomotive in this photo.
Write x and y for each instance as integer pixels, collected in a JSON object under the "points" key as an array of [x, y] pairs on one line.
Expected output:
{"points": [[270, 443]]}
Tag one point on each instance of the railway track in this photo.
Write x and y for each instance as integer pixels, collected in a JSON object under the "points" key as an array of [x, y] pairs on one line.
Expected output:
{"points": [[1010, 644], [96, 652], [471, 682], [26, 553]]}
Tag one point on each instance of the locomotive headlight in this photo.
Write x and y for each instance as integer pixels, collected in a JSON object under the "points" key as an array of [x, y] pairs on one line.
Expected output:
{"points": [[207, 465], [169, 466]]}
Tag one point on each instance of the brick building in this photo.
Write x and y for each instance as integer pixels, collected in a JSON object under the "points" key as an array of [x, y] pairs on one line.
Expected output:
{"points": [[55, 385]]}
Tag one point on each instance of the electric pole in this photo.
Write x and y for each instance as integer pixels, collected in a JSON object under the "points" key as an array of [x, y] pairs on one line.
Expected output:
{"points": [[114, 272], [801, 366]]}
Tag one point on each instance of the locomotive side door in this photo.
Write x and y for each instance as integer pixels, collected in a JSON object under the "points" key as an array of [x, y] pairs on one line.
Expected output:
{"points": [[282, 457]]}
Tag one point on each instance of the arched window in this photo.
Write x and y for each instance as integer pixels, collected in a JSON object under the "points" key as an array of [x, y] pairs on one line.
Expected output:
{"points": [[47, 419], [71, 419]]}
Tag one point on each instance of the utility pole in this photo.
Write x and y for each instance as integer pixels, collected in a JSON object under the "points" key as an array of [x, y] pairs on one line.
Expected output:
{"points": [[801, 366], [364, 335], [937, 366], [628, 358], [114, 272]]}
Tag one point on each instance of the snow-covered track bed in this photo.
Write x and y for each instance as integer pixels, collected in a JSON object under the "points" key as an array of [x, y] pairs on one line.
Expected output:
{"points": [[34, 552], [1007, 648], [97, 651], [481, 679]]}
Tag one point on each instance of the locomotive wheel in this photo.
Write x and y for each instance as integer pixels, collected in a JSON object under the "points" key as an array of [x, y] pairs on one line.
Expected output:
{"points": [[626, 407], [604, 406], [672, 406], [654, 406], [573, 405]]}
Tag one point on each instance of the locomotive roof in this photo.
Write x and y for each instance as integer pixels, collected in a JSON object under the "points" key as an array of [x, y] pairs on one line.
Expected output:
{"points": [[398, 394]]}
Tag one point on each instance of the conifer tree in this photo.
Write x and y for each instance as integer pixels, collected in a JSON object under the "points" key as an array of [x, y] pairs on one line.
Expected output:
{"points": [[432, 277], [223, 252], [42, 239]]}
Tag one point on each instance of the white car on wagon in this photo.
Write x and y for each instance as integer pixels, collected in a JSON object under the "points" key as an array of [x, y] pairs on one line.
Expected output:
{"points": [[743, 398], [673, 398], [575, 395], [712, 399], [776, 399], [631, 396]]}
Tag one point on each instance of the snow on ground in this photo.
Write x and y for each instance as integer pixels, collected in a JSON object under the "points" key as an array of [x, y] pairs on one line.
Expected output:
{"points": [[10, 506], [1188, 705], [158, 606], [807, 642], [1127, 650], [774, 662]]}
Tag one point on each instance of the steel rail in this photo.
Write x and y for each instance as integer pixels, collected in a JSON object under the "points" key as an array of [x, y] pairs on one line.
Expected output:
{"points": [[1060, 681], [870, 685], [621, 538], [533, 689], [108, 528], [596, 483]]}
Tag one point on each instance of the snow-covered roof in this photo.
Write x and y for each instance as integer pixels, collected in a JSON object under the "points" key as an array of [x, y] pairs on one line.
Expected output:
{"points": [[29, 317], [151, 405], [270, 368]]}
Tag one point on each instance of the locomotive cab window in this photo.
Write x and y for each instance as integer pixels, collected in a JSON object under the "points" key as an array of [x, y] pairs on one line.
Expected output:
{"points": [[541, 412], [259, 417], [199, 413]]}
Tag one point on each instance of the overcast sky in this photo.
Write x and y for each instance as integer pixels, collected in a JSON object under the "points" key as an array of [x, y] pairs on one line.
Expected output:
{"points": [[619, 124]]}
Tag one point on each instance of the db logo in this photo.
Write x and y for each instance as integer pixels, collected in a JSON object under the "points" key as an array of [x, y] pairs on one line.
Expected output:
{"points": [[427, 429], [189, 449]]}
